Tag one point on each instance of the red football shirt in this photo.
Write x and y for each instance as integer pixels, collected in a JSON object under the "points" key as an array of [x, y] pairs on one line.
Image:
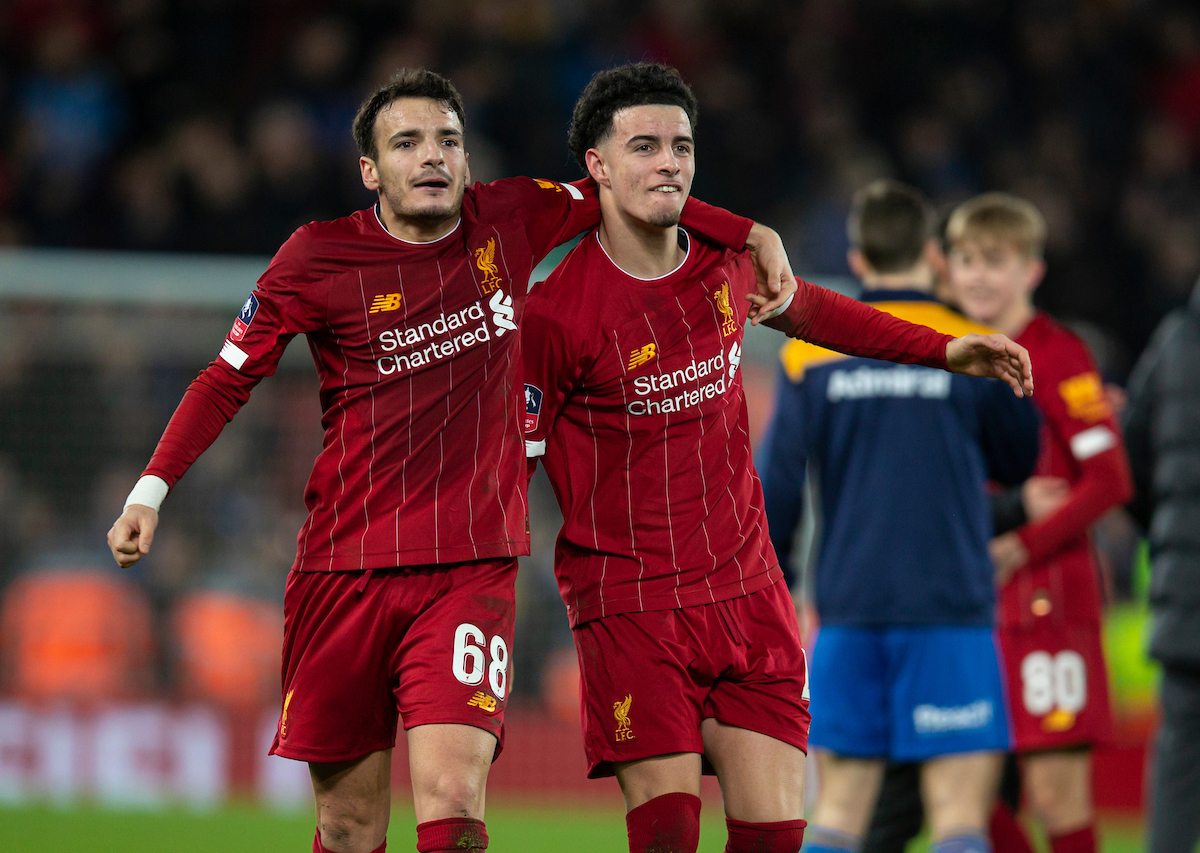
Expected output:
{"points": [[419, 364], [1080, 442], [634, 396]]}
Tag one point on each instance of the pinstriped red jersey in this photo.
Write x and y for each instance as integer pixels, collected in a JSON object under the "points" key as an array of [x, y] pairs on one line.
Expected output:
{"points": [[419, 364], [634, 403]]}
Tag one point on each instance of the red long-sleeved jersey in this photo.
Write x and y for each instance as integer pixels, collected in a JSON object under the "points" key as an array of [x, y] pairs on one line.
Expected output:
{"points": [[1081, 443], [419, 363], [634, 395]]}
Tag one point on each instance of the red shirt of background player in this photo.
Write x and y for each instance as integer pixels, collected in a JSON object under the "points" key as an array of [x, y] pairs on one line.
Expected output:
{"points": [[1081, 443], [634, 396], [1049, 621], [419, 365]]}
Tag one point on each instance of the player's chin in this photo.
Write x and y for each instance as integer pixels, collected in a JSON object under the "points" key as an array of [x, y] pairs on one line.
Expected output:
{"points": [[433, 210], [661, 218]]}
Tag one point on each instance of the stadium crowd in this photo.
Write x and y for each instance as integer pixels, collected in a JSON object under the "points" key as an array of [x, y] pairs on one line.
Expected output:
{"points": [[217, 126]]}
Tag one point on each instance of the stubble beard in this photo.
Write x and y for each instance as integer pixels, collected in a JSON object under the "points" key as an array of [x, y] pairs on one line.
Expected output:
{"points": [[663, 219], [428, 216]]}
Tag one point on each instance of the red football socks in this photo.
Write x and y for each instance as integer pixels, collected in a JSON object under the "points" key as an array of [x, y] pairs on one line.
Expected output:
{"points": [[451, 835], [784, 836], [1079, 841], [1007, 834], [666, 824], [318, 847]]}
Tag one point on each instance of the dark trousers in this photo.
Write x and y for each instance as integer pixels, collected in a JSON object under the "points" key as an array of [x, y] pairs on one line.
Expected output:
{"points": [[1175, 800], [899, 813]]}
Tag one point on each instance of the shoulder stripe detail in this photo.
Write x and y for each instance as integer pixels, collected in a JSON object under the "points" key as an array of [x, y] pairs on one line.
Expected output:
{"points": [[797, 356], [234, 355], [534, 449], [934, 315], [1092, 442], [573, 192]]}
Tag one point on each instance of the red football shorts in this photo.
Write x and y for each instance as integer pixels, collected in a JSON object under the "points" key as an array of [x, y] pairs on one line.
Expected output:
{"points": [[1057, 686], [648, 679], [430, 643]]}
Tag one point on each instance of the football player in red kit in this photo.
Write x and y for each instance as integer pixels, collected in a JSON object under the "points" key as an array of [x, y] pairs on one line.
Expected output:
{"points": [[686, 635], [400, 600], [1050, 602]]}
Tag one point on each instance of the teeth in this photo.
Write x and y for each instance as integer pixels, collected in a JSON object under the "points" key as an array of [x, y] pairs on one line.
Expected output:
{"points": [[666, 189]]}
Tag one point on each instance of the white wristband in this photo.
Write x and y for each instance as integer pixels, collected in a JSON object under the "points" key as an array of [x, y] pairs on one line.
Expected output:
{"points": [[149, 491], [779, 310]]}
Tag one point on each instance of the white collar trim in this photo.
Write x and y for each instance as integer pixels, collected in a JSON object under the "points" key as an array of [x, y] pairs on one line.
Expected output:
{"points": [[686, 255], [375, 209]]}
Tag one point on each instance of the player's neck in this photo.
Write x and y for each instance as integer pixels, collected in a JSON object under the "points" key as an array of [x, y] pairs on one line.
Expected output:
{"points": [[919, 279], [639, 249], [414, 230], [1013, 320]]}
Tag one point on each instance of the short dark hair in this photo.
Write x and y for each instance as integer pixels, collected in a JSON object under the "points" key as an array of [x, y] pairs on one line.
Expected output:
{"points": [[621, 87], [890, 223], [406, 83]]}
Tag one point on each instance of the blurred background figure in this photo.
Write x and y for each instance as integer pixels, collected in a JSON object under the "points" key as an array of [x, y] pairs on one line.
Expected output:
{"points": [[1162, 429]]}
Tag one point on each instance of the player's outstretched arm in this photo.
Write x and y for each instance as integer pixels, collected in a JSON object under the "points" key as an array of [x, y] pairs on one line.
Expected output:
{"points": [[773, 273], [993, 356], [131, 535]]}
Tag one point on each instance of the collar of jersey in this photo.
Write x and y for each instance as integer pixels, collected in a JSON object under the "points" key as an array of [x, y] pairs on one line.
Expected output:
{"points": [[375, 210], [657, 278], [884, 295]]}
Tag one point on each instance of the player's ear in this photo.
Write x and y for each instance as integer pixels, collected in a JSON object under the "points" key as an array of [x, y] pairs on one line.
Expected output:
{"points": [[467, 176], [858, 263], [370, 173], [597, 168], [1035, 271]]}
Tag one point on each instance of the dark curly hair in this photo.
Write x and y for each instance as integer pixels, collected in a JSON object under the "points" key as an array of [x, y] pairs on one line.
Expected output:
{"points": [[618, 88], [406, 83]]}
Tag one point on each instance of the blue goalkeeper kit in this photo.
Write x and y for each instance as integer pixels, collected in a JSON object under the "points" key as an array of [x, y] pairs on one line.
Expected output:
{"points": [[905, 664]]}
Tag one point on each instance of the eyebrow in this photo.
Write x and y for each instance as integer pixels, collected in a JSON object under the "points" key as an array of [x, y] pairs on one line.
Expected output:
{"points": [[409, 133], [648, 138]]}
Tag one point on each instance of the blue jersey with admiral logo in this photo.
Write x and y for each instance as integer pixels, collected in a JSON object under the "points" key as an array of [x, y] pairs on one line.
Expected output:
{"points": [[902, 455]]}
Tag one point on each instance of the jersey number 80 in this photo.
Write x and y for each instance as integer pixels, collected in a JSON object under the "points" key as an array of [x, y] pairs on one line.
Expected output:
{"points": [[1051, 682], [470, 660]]}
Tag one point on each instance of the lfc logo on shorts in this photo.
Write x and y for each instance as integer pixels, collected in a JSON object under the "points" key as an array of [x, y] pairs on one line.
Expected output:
{"points": [[728, 323], [621, 712], [485, 259], [483, 702], [287, 700]]}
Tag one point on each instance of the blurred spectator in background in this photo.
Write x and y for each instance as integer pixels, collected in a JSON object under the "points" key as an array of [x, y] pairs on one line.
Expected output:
{"points": [[1162, 430]]}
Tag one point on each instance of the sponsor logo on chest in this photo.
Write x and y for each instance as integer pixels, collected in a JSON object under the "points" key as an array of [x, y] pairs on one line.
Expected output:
{"points": [[420, 344], [667, 391]]}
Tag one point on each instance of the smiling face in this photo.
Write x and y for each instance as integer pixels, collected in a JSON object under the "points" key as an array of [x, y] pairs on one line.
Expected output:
{"points": [[420, 168], [993, 282], [647, 162]]}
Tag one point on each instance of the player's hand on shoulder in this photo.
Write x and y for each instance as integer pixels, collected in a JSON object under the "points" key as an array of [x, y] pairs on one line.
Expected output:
{"points": [[994, 356], [772, 271], [130, 536]]}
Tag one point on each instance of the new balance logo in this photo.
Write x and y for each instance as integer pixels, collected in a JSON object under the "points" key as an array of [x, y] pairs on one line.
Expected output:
{"points": [[385, 302], [640, 356], [483, 702], [503, 313]]}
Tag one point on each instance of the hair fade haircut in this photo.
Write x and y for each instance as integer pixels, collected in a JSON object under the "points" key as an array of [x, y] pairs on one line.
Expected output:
{"points": [[406, 83], [999, 218], [617, 88], [890, 223]]}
